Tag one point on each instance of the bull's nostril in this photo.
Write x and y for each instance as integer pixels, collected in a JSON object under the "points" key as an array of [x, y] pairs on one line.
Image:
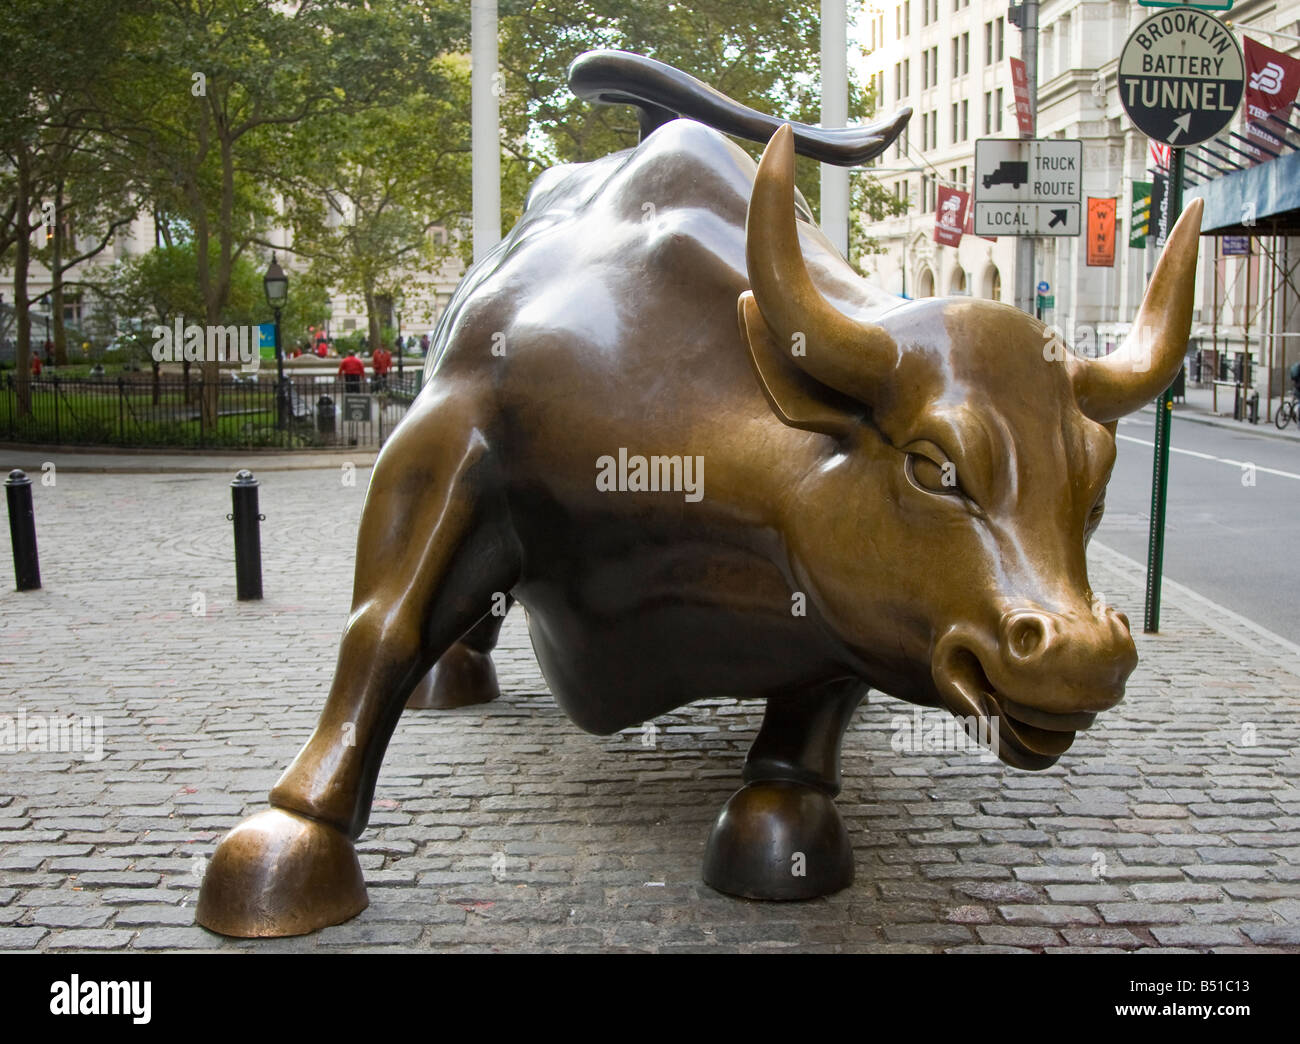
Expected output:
{"points": [[1027, 636], [1123, 618]]}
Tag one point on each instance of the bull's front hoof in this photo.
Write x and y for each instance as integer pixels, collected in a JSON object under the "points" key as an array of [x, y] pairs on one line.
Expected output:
{"points": [[779, 840], [460, 678], [279, 873]]}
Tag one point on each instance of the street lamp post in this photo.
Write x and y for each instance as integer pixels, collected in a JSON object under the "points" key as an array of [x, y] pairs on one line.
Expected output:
{"points": [[276, 286], [400, 346]]}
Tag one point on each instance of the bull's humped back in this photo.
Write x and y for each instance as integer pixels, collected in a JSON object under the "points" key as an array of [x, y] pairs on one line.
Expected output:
{"points": [[670, 212]]}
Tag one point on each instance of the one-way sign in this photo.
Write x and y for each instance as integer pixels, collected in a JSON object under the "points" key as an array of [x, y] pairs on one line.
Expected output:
{"points": [[1181, 77], [1028, 188]]}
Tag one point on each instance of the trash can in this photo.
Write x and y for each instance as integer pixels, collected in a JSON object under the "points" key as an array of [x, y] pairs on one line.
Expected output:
{"points": [[325, 415]]}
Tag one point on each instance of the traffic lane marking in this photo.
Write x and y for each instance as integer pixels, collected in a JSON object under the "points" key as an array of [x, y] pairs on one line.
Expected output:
{"points": [[1210, 456]]}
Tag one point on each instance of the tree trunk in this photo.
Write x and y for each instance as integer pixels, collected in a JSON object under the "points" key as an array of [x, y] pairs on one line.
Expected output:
{"points": [[56, 275], [22, 259], [372, 316]]}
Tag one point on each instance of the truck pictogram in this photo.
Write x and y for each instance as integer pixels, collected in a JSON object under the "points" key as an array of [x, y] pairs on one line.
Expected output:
{"points": [[1010, 172]]}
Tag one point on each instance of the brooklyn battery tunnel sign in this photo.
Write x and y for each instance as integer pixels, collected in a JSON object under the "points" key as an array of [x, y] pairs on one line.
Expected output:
{"points": [[1181, 77]]}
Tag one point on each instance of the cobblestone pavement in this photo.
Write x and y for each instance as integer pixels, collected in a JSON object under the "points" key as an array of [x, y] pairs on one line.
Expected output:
{"points": [[1173, 824]]}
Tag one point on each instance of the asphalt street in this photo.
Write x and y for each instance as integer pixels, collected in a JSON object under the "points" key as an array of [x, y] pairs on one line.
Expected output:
{"points": [[1233, 523]]}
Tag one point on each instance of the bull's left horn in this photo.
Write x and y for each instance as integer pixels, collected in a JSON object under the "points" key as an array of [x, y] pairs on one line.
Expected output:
{"points": [[1148, 360], [851, 357]]}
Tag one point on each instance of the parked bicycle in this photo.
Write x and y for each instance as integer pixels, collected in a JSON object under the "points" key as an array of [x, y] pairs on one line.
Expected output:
{"points": [[1287, 412]]}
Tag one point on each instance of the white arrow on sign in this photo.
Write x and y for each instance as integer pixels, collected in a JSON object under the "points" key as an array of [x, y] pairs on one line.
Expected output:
{"points": [[1180, 126]]}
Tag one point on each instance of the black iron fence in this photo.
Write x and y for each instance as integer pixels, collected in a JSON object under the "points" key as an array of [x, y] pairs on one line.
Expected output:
{"points": [[137, 410]]}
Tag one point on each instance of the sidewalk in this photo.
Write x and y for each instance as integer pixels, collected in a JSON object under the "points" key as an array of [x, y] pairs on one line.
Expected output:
{"points": [[90, 459], [1199, 409], [1173, 825]]}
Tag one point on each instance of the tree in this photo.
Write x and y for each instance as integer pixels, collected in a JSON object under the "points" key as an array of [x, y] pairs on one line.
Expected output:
{"points": [[210, 90], [763, 53], [52, 67], [376, 184]]}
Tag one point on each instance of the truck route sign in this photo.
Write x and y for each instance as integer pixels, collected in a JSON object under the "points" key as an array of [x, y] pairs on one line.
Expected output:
{"points": [[1028, 187]]}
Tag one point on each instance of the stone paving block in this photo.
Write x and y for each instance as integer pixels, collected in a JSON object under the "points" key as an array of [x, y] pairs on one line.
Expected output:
{"points": [[87, 939], [1197, 935]]}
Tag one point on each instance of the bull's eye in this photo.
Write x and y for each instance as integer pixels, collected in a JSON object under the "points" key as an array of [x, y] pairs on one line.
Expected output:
{"points": [[1094, 516], [931, 475]]}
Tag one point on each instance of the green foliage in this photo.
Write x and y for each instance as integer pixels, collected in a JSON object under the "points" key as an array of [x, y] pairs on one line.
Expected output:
{"points": [[763, 53]]}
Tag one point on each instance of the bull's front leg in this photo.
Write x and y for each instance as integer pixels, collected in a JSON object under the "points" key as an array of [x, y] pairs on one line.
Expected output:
{"points": [[781, 836], [434, 547]]}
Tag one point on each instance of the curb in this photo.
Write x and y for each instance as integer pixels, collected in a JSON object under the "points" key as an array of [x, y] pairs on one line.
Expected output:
{"points": [[156, 462], [1263, 431]]}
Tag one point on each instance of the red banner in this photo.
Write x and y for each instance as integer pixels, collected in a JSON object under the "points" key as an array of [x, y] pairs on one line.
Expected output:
{"points": [[1101, 233], [1272, 79], [1020, 85], [950, 215]]}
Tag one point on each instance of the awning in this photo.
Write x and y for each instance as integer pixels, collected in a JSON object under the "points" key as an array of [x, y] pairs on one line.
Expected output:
{"points": [[1263, 200]]}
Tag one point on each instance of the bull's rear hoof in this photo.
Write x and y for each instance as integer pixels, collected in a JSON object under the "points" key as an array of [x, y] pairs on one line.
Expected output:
{"points": [[460, 678], [779, 840], [279, 873]]}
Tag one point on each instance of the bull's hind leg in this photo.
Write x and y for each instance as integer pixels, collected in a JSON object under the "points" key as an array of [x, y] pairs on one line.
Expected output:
{"points": [[464, 675], [781, 836], [433, 548]]}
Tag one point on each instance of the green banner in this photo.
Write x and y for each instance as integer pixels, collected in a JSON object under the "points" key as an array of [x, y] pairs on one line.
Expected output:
{"points": [[1139, 215]]}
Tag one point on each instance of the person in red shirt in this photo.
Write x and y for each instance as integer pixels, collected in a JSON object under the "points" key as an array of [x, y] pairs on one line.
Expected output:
{"points": [[381, 361], [36, 365], [352, 369]]}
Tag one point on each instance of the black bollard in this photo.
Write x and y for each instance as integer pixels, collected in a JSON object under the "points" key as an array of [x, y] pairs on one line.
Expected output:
{"points": [[248, 537], [22, 530]]}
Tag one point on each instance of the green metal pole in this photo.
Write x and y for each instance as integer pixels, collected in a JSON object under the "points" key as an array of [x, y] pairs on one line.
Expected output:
{"points": [[1160, 462]]}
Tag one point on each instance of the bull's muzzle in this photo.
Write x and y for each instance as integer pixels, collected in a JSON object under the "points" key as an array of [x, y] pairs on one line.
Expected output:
{"points": [[1044, 675]]}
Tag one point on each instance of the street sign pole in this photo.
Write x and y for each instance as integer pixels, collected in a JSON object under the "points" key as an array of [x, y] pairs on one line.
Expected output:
{"points": [[1160, 456], [1026, 277]]}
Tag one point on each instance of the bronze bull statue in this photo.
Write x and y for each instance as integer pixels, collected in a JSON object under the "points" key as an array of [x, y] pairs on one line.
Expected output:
{"points": [[837, 492]]}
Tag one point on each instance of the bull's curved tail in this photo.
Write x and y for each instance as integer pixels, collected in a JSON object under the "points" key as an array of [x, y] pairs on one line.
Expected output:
{"points": [[662, 93]]}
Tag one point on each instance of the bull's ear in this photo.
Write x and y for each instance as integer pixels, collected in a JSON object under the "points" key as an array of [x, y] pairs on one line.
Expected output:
{"points": [[797, 399]]}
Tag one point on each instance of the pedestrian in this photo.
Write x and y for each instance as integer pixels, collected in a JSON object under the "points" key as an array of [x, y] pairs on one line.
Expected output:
{"points": [[424, 344], [352, 369], [36, 364], [381, 362]]}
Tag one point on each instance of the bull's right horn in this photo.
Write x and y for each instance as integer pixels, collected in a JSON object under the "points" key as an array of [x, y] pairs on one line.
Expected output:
{"points": [[1148, 360]]}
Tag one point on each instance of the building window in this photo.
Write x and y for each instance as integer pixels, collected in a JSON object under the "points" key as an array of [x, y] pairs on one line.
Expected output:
{"points": [[997, 109], [955, 139], [907, 77], [1002, 30], [965, 119], [965, 53], [907, 17], [988, 113], [956, 57], [988, 44]]}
